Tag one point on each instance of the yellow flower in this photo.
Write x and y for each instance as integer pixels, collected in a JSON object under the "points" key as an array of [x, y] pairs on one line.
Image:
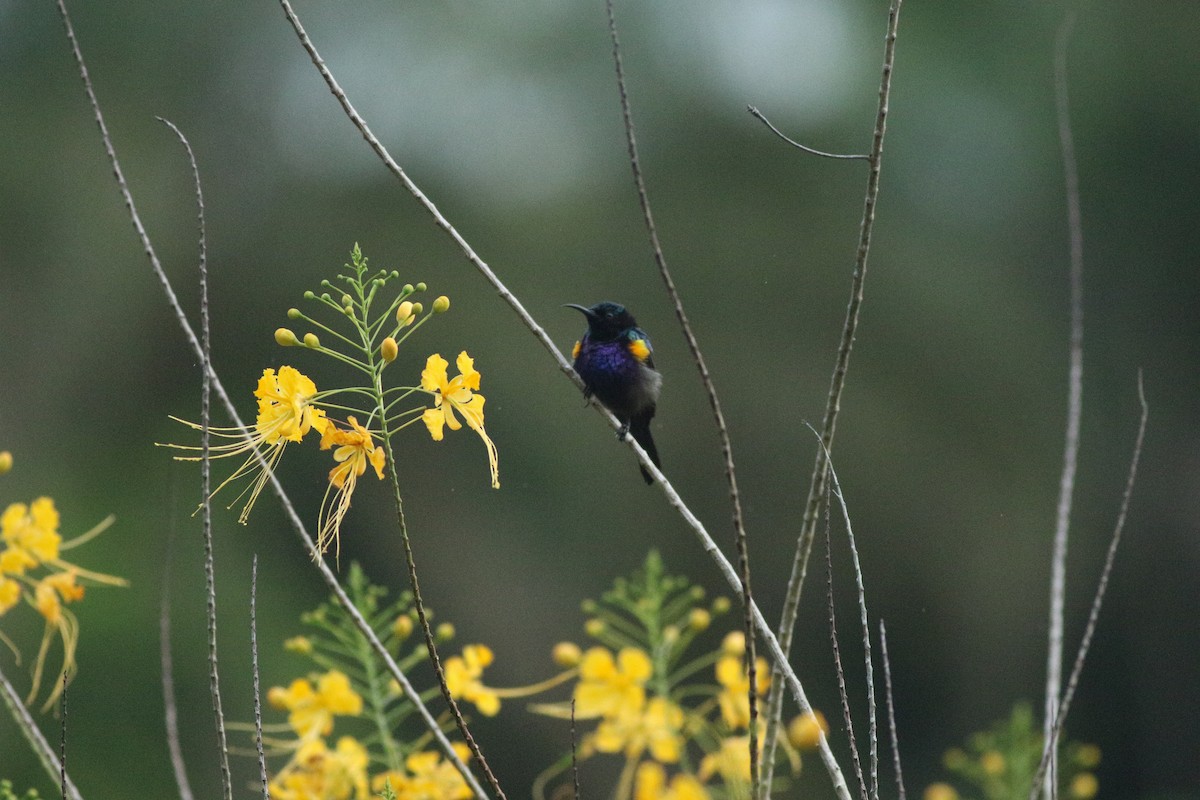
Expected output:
{"points": [[731, 761], [311, 709], [426, 776], [735, 689], [655, 728], [610, 688], [992, 762], [463, 678], [804, 731], [650, 783], [10, 593], [1084, 786], [355, 449], [318, 773], [459, 394], [49, 595], [286, 413], [31, 533], [940, 791]]}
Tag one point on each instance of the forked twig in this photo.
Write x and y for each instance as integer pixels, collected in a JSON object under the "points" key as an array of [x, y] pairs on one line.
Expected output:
{"points": [[1060, 712], [289, 509], [816, 489], [735, 497], [891, 708], [1066, 490]]}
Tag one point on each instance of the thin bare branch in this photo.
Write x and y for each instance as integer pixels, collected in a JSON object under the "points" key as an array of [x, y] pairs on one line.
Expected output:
{"points": [[673, 499], [258, 729], [293, 517], [1061, 711], [754, 112], [887, 685], [816, 489], [735, 498], [574, 759], [62, 743], [206, 475], [847, 718], [33, 734], [1066, 489], [170, 706]]}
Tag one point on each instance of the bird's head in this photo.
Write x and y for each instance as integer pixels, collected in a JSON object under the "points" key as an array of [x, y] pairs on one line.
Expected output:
{"points": [[606, 321]]}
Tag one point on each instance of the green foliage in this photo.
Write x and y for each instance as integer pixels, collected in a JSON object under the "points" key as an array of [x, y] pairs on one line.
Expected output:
{"points": [[7, 793]]}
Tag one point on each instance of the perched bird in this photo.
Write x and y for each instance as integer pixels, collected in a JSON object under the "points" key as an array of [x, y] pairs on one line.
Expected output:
{"points": [[615, 360]]}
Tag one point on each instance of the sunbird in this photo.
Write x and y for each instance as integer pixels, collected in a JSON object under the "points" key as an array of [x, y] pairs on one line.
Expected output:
{"points": [[615, 360]]}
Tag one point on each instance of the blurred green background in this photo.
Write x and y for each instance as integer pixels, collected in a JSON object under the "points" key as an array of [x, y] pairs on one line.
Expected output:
{"points": [[951, 435]]}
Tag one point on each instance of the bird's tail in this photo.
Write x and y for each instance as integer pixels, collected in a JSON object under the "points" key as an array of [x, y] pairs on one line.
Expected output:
{"points": [[639, 428]]}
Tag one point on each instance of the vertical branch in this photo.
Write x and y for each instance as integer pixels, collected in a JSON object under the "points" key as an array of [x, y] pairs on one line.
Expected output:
{"points": [[62, 744], [847, 719], [258, 730], [1060, 712], [214, 682], [170, 707], [816, 489], [1066, 489], [891, 708], [33, 734], [739, 525]]}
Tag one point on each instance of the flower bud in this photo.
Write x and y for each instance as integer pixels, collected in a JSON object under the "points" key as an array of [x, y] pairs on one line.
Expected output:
{"points": [[311, 341], [804, 731], [388, 350], [407, 289], [940, 791], [285, 338], [6, 461], [403, 627], [445, 632], [294, 313], [699, 619], [670, 634], [421, 286], [404, 312], [298, 644], [734, 643], [418, 309], [566, 654], [720, 605], [441, 305], [594, 627], [347, 301]]}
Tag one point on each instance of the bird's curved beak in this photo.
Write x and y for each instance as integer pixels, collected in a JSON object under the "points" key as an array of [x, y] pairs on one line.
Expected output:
{"points": [[587, 312]]}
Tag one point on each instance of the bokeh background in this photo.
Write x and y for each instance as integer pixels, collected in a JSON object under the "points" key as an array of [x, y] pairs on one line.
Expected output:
{"points": [[950, 440]]}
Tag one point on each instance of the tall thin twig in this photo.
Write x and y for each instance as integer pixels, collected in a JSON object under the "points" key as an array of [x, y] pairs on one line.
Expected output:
{"points": [[327, 574], [33, 734], [710, 389], [206, 474], [673, 499], [816, 489], [258, 729], [62, 734], [891, 709], [1060, 712], [1066, 489], [843, 695], [170, 706]]}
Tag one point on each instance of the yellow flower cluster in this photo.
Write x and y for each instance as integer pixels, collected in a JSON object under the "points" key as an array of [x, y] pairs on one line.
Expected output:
{"points": [[32, 544]]}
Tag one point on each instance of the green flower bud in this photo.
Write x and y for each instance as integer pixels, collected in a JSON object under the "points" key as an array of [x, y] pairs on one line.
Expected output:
{"points": [[310, 295], [444, 632], [311, 341], [421, 286], [285, 338], [347, 301], [294, 313], [418, 309], [407, 289], [441, 305]]}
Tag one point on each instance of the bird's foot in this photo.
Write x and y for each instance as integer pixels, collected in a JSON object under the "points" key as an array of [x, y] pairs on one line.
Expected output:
{"points": [[622, 432]]}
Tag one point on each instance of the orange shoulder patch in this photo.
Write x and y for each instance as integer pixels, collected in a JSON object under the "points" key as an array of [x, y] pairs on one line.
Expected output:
{"points": [[575, 350], [639, 349]]}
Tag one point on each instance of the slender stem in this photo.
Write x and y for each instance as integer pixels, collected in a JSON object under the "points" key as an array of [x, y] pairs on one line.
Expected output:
{"points": [[710, 389], [816, 488], [419, 604], [847, 718], [33, 734], [1066, 490], [170, 706], [887, 685], [754, 112], [1064, 706], [258, 727]]}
